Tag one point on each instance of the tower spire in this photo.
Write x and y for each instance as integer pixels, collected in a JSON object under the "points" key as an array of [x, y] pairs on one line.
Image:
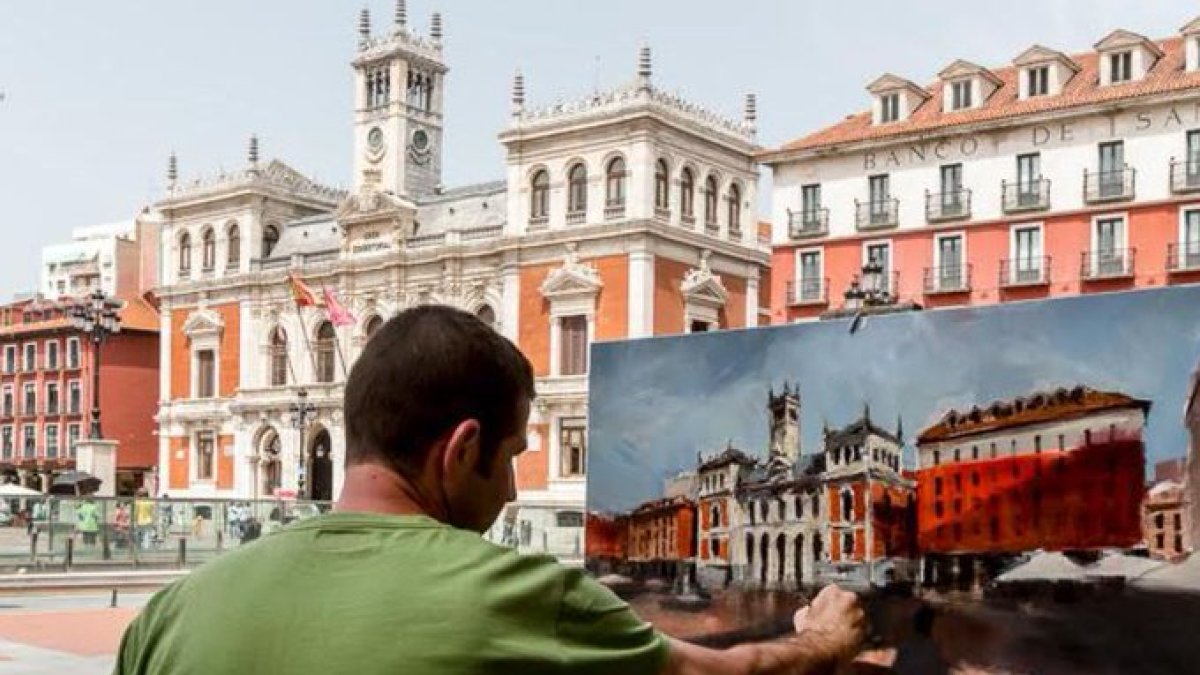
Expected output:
{"points": [[518, 93], [364, 26], [172, 170], [252, 155], [645, 69], [435, 27], [900, 427], [401, 19], [751, 114]]}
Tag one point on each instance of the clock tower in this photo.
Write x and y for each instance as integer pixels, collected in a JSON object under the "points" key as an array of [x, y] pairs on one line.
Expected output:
{"points": [[398, 80]]}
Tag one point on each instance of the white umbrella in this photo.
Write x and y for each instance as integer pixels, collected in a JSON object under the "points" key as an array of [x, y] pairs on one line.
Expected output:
{"points": [[14, 490], [1044, 566]]}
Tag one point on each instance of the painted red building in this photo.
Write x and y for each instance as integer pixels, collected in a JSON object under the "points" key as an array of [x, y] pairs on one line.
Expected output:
{"points": [[1056, 470], [663, 532], [46, 392], [607, 537]]}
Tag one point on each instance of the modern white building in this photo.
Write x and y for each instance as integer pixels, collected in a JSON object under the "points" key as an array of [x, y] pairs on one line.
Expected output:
{"points": [[108, 257]]}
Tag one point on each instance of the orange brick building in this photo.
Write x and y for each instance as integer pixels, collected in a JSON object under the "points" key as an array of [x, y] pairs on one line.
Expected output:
{"points": [[1057, 470], [46, 394], [662, 533]]}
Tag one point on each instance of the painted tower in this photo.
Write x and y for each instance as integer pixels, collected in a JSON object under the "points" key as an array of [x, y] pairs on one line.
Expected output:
{"points": [[784, 412]]}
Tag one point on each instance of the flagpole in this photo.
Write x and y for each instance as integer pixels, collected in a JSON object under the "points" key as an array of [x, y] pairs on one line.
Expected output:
{"points": [[337, 344], [302, 393]]}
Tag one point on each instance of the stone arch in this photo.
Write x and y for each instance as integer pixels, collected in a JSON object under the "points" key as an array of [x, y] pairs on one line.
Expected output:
{"points": [[764, 548], [319, 479], [268, 448], [781, 555]]}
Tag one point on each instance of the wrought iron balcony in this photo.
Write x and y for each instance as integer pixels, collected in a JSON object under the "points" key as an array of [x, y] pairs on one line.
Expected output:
{"points": [[807, 223], [1030, 195], [687, 220], [1116, 263], [808, 292], [1183, 257], [879, 214], [576, 217], [945, 206], [947, 279], [1109, 186], [1185, 176], [539, 222], [1025, 271]]}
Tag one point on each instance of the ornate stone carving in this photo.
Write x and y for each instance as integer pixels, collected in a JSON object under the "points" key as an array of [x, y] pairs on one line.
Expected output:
{"points": [[702, 287], [572, 279], [203, 321]]}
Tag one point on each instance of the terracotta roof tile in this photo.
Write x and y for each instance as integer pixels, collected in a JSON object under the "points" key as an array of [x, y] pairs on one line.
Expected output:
{"points": [[1083, 89]]}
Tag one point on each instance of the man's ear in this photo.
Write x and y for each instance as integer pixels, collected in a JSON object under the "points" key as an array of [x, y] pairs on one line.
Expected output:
{"points": [[463, 448]]}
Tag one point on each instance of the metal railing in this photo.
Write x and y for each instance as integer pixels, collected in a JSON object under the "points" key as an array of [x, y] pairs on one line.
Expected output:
{"points": [[805, 223], [711, 226], [944, 206], [1109, 186], [1107, 264], [1025, 271], [947, 279], [426, 240], [1185, 176], [1183, 256], [808, 292], [539, 222], [614, 211], [576, 217], [877, 215], [1029, 195]]}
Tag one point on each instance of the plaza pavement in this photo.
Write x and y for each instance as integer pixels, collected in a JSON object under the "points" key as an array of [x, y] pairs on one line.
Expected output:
{"points": [[77, 634]]}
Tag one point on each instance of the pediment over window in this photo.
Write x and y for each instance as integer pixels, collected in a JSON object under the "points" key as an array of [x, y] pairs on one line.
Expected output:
{"points": [[1124, 39], [888, 83], [203, 322], [1038, 55], [701, 287], [964, 69], [573, 279]]}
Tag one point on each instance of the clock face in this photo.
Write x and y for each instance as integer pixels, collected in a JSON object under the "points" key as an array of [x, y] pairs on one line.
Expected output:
{"points": [[375, 139], [420, 140]]}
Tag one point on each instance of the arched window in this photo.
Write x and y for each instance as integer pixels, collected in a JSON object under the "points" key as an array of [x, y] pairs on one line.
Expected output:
{"points": [[233, 255], [818, 546], [326, 352], [710, 200], [269, 239], [272, 467], [208, 249], [185, 254], [577, 189], [687, 194], [615, 182], [279, 357], [487, 315], [715, 520], [735, 208], [373, 324], [539, 195], [847, 505], [662, 185]]}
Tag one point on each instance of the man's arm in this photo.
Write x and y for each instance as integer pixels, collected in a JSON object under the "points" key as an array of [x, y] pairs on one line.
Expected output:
{"points": [[828, 634]]}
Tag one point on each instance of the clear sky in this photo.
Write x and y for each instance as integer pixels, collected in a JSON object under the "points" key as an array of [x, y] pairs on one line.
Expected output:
{"points": [[656, 403], [97, 94]]}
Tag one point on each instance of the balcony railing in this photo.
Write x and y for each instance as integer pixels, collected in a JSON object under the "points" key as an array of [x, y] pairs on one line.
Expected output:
{"points": [[877, 215], [1025, 271], [662, 213], [539, 222], [576, 217], [1114, 263], [808, 292], [947, 279], [1185, 176], [807, 223], [945, 206], [1028, 195], [1109, 186], [1183, 257], [614, 211], [687, 220], [711, 226]]}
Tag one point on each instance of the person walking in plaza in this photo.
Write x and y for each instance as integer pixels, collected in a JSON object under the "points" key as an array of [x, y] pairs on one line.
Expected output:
{"points": [[143, 519], [397, 579], [87, 522]]}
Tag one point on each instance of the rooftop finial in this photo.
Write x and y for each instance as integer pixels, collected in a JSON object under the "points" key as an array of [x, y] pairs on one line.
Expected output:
{"points": [[900, 427], [364, 25], [435, 28], [401, 14], [518, 93], [172, 169], [253, 154], [751, 111], [644, 66]]}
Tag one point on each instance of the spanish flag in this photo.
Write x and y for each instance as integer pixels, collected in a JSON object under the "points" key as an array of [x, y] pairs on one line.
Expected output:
{"points": [[301, 293]]}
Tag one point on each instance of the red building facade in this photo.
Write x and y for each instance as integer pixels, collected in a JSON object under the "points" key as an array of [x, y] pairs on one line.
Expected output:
{"points": [[46, 369], [1058, 470]]}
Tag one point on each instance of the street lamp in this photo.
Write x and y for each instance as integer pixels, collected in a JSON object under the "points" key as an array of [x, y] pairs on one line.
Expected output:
{"points": [[96, 316], [302, 411]]}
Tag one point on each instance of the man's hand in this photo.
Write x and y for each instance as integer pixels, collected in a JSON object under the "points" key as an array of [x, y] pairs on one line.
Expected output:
{"points": [[837, 619]]}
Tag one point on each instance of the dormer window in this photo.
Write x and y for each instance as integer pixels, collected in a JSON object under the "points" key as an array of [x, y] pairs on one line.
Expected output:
{"points": [[960, 95], [889, 108], [1037, 81], [1120, 67]]}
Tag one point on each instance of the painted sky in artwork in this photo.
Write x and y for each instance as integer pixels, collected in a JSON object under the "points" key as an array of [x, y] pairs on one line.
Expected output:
{"points": [[655, 403]]}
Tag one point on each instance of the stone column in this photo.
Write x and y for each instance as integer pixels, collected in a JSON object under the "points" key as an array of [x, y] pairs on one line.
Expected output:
{"points": [[99, 458]]}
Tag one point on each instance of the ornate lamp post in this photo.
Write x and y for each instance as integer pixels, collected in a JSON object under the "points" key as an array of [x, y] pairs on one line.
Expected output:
{"points": [[96, 316], [302, 411]]}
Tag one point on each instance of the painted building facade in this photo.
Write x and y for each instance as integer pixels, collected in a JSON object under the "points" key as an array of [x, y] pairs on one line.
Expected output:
{"points": [[1053, 175], [1162, 521], [46, 394], [627, 214], [1055, 470]]}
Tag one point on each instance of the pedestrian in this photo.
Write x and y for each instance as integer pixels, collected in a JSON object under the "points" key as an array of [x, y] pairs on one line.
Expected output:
{"points": [[143, 518], [87, 522], [397, 579], [121, 525]]}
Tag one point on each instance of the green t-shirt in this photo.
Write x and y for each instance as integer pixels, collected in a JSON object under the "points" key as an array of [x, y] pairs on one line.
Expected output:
{"points": [[366, 593], [86, 518]]}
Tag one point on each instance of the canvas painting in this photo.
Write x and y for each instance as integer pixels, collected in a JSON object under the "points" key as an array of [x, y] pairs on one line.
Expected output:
{"points": [[1017, 473]]}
